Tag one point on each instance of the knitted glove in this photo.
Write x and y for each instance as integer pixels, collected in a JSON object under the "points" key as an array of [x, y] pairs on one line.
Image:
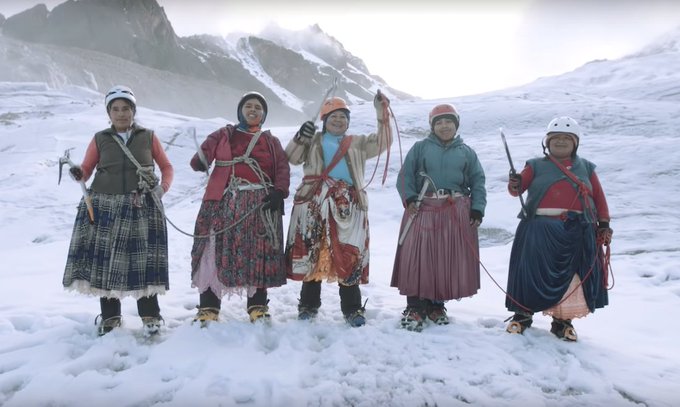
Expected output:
{"points": [[158, 191], [604, 233], [76, 173], [378, 103], [307, 130], [273, 201], [475, 217]]}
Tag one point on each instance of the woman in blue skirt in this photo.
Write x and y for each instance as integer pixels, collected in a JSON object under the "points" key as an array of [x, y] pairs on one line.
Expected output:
{"points": [[557, 264]]}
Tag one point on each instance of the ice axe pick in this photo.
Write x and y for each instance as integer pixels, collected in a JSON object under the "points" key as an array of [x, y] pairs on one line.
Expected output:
{"points": [[66, 159]]}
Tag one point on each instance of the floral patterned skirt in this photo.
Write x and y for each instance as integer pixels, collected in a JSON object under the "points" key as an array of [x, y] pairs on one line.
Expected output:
{"points": [[244, 257], [328, 237]]}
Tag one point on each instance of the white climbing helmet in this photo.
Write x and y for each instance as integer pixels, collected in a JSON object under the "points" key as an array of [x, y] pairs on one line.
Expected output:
{"points": [[564, 124], [120, 92]]}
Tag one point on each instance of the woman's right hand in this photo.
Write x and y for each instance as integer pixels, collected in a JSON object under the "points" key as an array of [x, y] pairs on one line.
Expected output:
{"points": [[307, 130], [514, 182], [76, 173]]}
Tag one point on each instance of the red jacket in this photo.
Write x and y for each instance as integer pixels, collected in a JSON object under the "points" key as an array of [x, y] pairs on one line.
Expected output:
{"points": [[229, 142]]}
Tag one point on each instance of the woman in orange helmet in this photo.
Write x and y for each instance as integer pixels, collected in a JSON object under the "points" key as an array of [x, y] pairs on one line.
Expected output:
{"points": [[328, 235]]}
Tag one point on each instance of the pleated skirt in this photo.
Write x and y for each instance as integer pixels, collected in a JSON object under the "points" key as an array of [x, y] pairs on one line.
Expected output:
{"points": [[124, 253], [439, 258], [243, 257]]}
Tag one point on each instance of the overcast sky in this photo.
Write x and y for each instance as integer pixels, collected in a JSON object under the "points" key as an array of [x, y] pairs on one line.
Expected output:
{"points": [[437, 48]]}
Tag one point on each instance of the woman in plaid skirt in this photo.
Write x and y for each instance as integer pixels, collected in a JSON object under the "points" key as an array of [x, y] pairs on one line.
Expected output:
{"points": [[119, 248]]}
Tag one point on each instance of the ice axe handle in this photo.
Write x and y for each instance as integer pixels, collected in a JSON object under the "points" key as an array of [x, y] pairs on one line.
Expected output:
{"points": [[419, 201], [512, 170]]}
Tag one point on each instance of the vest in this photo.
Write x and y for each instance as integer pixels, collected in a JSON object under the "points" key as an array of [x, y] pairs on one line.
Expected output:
{"points": [[546, 173], [116, 174]]}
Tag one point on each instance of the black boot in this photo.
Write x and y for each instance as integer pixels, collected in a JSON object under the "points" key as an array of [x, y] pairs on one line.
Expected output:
{"points": [[310, 300], [110, 315], [520, 322], [350, 304], [414, 314], [563, 329], [150, 312], [257, 306], [208, 308]]}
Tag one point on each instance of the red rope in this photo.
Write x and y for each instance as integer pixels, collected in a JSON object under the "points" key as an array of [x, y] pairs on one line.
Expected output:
{"points": [[385, 119]]}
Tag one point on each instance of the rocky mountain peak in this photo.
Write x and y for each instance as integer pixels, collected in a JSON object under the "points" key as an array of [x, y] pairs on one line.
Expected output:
{"points": [[293, 69]]}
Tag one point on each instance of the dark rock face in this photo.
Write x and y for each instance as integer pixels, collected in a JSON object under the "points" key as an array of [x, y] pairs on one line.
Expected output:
{"points": [[139, 31]]}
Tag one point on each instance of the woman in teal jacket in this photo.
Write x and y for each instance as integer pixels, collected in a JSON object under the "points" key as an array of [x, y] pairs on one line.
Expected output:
{"points": [[442, 187]]}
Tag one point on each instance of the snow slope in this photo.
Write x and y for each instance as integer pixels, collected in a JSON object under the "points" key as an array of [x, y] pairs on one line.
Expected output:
{"points": [[627, 354]]}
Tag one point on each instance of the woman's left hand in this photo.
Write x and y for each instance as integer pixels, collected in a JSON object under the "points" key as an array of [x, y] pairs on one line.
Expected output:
{"points": [[273, 201], [475, 218]]}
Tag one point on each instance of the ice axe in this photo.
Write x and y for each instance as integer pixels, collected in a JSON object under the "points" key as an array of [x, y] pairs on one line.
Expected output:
{"points": [[66, 159], [418, 202], [199, 151], [512, 170], [331, 90]]}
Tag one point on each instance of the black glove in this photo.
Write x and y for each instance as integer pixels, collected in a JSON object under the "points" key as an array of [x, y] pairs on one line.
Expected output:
{"points": [[515, 182], [307, 130], [273, 201], [475, 217], [604, 233], [76, 173], [411, 199], [199, 166]]}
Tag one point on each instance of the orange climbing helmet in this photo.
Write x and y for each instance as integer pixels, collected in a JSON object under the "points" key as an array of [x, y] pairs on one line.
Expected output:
{"points": [[442, 110], [333, 104]]}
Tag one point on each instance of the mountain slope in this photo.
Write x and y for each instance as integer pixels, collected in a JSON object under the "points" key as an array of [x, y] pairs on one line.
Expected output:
{"points": [[138, 31]]}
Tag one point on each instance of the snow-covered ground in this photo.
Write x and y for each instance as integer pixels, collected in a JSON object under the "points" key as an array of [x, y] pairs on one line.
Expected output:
{"points": [[627, 353]]}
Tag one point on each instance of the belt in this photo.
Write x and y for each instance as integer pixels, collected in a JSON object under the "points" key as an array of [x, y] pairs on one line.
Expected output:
{"points": [[443, 193]]}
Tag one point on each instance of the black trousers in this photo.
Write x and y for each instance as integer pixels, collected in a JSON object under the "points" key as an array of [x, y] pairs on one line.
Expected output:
{"points": [[146, 307], [208, 299], [350, 296]]}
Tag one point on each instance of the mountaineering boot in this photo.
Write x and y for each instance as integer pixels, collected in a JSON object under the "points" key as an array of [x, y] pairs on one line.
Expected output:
{"points": [[350, 304], [259, 313], [106, 325], [356, 319], [152, 325], [520, 322], [257, 308], [310, 300], [205, 315], [436, 312], [412, 319], [563, 329], [306, 313]]}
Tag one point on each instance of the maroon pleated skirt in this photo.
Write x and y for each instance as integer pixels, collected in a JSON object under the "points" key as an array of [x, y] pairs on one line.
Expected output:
{"points": [[439, 258]]}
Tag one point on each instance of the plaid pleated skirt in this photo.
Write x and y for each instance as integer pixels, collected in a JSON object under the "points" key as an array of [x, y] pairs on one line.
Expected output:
{"points": [[439, 258], [124, 253], [242, 258]]}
